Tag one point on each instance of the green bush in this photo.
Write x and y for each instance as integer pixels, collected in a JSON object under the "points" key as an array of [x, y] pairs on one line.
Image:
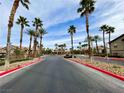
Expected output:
{"points": [[19, 60], [115, 66], [116, 56], [2, 63], [101, 55]]}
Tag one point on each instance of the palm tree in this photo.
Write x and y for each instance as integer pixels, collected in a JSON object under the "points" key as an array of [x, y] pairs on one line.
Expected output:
{"points": [[91, 39], [80, 47], [96, 39], [15, 6], [31, 34], [87, 7], [37, 23], [22, 21], [64, 45], [41, 33], [62, 48], [104, 29], [79, 43], [72, 30], [84, 46], [56, 45], [109, 31]]}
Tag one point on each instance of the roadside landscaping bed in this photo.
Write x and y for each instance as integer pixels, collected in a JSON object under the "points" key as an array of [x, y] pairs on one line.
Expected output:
{"points": [[115, 69], [2, 62], [17, 63]]}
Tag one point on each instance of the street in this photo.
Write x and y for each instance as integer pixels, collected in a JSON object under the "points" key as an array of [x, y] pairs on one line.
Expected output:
{"points": [[56, 75]]}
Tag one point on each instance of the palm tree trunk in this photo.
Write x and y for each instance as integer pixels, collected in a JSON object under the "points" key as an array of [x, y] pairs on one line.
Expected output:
{"points": [[72, 44], [41, 44], [30, 46], [35, 42], [35, 45], [110, 43], [10, 25], [97, 47], [8, 48], [21, 36], [88, 36], [104, 42]]}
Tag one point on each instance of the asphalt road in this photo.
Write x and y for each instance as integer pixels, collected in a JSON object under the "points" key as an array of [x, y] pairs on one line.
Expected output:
{"points": [[55, 75], [105, 60]]}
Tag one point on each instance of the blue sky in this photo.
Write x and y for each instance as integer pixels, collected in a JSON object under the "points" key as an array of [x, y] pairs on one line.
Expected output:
{"points": [[58, 15]]}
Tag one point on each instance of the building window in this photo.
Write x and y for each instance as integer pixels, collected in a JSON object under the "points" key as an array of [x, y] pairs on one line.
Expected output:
{"points": [[115, 46], [116, 54]]}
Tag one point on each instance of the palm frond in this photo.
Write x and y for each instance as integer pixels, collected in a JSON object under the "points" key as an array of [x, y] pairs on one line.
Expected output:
{"points": [[25, 3], [86, 6], [22, 21], [72, 29], [37, 22]]}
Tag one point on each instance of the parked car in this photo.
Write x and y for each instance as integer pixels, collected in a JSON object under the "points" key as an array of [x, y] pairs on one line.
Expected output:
{"points": [[68, 56]]}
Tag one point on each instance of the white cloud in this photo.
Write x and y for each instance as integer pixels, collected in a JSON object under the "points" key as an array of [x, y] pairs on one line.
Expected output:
{"points": [[53, 12], [112, 15]]}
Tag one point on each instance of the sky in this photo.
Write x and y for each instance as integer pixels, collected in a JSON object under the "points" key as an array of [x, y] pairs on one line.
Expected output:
{"points": [[58, 15]]}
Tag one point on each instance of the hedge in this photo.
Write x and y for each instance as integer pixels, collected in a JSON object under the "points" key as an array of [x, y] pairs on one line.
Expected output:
{"points": [[18, 60]]}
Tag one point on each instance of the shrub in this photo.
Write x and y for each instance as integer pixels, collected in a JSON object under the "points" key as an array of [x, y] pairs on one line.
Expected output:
{"points": [[2, 63], [115, 66], [19, 60]]}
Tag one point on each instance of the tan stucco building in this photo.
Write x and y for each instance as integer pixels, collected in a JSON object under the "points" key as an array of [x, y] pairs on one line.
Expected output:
{"points": [[117, 46]]}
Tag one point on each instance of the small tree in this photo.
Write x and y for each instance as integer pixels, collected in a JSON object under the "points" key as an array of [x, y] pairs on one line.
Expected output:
{"points": [[36, 23], [22, 22], [96, 39], [15, 6], [86, 8], [72, 30], [42, 32], [104, 29], [30, 32], [109, 32]]}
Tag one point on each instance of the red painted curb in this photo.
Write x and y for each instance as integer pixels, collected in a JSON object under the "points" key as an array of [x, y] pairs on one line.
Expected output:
{"points": [[22, 66], [106, 72], [103, 71]]}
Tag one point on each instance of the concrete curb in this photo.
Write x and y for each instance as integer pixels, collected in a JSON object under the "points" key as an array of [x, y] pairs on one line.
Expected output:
{"points": [[101, 70], [20, 67]]}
